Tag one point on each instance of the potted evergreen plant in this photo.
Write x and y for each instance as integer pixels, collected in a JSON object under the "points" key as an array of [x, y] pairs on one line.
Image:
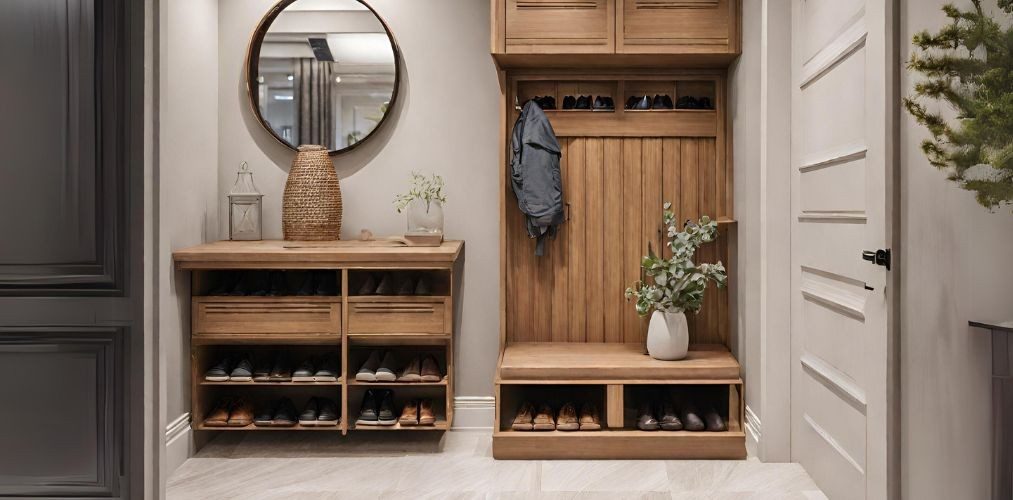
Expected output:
{"points": [[673, 286]]}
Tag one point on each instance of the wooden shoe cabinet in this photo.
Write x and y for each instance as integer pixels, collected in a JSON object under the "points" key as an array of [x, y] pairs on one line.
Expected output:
{"points": [[567, 332], [632, 33], [344, 324]]}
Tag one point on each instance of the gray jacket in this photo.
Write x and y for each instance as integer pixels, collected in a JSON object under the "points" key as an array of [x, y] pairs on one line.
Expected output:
{"points": [[535, 174]]}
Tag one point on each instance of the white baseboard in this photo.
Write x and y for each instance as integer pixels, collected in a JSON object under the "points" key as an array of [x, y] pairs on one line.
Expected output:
{"points": [[753, 431], [178, 443], [474, 412]]}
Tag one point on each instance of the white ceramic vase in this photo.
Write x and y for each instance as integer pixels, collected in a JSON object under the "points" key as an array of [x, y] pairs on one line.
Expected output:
{"points": [[668, 336]]}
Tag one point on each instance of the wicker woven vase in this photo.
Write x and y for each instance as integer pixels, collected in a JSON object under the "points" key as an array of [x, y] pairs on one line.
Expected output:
{"points": [[311, 208]]}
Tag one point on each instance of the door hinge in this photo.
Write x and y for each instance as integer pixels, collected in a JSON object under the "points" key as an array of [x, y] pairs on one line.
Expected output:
{"points": [[880, 257]]}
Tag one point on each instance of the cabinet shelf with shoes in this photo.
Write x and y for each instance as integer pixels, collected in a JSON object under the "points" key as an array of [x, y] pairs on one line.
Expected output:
{"points": [[419, 408], [639, 105], [280, 330]]}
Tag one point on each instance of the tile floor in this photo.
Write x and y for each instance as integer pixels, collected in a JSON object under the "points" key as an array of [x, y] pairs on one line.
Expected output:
{"points": [[458, 465]]}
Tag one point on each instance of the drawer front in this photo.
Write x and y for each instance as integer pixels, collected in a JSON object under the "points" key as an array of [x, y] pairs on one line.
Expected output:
{"points": [[560, 26], [690, 26], [217, 316], [398, 317]]}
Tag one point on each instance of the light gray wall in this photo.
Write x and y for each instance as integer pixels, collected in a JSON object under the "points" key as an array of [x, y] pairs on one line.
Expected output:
{"points": [[447, 122], [744, 116], [187, 187], [955, 266]]}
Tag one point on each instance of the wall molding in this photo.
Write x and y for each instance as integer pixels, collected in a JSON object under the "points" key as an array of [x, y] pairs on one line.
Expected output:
{"points": [[474, 412], [178, 443], [753, 429]]}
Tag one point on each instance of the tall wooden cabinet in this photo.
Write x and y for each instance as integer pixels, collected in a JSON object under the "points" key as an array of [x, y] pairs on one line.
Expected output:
{"points": [[568, 333]]}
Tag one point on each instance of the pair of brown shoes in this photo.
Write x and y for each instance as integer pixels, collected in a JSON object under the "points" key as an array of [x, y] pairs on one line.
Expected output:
{"points": [[566, 419], [418, 412], [421, 370], [230, 413]]}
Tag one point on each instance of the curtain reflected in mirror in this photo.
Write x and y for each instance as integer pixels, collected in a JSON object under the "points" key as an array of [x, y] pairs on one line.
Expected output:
{"points": [[326, 72]]}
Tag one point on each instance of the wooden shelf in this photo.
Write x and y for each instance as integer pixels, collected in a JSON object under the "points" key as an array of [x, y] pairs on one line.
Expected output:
{"points": [[257, 339], [441, 383], [272, 384], [398, 339], [618, 444], [275, 254], [251, 427], [560, 363], [440, 425]]}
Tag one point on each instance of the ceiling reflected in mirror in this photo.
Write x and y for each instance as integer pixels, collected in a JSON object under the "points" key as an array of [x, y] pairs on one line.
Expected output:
{"points": [[322, 72]]}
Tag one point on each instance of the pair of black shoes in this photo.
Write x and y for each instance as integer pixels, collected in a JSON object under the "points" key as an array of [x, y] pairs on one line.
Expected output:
{"points": [[690, 102], [545, 102], [319, 412], [274, 284], [377, 408], [660, 101], [394, 284], [601, 103], [280, 414], [686, 417]]}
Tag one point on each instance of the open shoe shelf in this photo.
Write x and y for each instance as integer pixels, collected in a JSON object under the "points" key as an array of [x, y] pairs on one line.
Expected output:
{"points": [[345, 324]]}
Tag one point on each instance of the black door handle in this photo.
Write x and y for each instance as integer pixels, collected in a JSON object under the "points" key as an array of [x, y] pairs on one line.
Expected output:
{"points": [[880, 257]]}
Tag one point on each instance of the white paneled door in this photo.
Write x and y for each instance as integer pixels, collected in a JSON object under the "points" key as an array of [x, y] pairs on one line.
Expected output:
{"points": [[842, 124]]}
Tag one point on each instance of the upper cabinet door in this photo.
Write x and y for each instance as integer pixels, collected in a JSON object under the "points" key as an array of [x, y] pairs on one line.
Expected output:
{"points": [[560, 26], [678, 27]]}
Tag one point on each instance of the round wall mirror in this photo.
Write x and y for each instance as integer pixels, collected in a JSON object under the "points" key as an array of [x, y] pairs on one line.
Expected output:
{"points": [[322, 72]]}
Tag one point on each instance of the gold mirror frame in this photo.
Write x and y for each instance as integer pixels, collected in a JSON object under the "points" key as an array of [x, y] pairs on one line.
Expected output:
{"points": [[253, 70]]}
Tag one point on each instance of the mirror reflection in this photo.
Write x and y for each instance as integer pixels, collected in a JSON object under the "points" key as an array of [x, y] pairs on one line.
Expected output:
{"points": [[326, 73]]}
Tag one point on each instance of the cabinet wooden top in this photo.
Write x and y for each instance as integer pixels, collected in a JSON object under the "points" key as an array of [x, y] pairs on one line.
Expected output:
{"points": [[315, 254]]}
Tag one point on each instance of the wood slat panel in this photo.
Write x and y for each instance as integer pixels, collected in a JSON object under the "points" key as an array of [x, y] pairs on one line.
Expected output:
{"points": [[707, 326], [560, 263], [671, 181], [614, 303], [594, 237], [577, 279], [614, 189], [633, 231]]}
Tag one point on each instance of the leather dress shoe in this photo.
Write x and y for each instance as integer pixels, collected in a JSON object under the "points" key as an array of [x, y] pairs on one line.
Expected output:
{"points": [[632, 101], [670, 418], [714, 421], [385, 410], [662, 102], [241, 414], [583, 102], [642, 102], [645, 418], [367, 412], [590, 419], [409, 414], [687, 102], [219, 414], [704, 103], [524, 420], [567, 418], [569, 102], [545, 102], [426, 414], [309, 414], [543, 419], [328, 412], [285, 415], [604, 103], [430, 371], [691, 420]]}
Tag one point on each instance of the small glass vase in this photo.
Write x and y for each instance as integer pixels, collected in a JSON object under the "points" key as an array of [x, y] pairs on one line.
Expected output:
{"points": [[425, 217]]}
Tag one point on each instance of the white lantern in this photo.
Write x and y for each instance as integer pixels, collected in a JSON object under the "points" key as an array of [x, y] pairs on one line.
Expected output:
{"points": [[245, 207]]}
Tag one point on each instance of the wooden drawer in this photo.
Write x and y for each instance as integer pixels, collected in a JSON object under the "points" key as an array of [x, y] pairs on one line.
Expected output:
{"points": [[678, 26], [381, 315], [266, 315], [560, 26]]}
